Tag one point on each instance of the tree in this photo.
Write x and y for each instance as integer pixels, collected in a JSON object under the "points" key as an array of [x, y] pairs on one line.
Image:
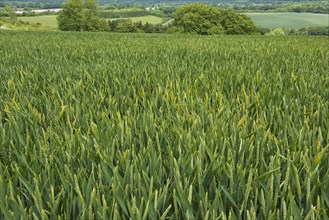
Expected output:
{"points": [[235, 23], [7, 11], [80, 15], [197, 19], [71, 17], [202, 19], [127, 27], [91, 20]]}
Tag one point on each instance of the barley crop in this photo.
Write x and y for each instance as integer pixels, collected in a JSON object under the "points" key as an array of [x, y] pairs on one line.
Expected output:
{"points": [[117, 126]]}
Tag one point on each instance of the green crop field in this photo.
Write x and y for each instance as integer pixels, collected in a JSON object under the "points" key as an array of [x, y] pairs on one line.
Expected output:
{"points": [[289, 20], [47, 20], [118, 126]]}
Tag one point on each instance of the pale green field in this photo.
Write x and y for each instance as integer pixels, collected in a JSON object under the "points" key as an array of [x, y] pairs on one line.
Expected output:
{"points": [[125, 10], [150, 19], [289, 20], [47, 20], [50, 20]]}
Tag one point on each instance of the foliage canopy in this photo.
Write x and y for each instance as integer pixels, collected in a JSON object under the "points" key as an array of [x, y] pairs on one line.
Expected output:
{"points": [[80, 15], [203, 19]]}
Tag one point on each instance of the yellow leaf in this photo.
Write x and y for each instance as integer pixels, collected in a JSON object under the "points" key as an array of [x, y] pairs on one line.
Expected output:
{"points": [[317, 158], [6, 109], [243, 119], [318, 145], [275, 140], [124, 157], [94, 129], [319, 155]]}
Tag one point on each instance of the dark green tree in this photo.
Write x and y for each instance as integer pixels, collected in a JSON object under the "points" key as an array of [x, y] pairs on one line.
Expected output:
{"points": [[91, 19], [198, 19], [127, 27], [71, 17], [203, 19], [148, 28], [80, 15], [235, 23], [7, 11]]}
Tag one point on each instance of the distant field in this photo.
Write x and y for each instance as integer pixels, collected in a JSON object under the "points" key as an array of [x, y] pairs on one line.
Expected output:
{"points": [[150, 19], [50, 20], [129, 12], [47, 20], [270, 20], [125, 10], [289, 20]]}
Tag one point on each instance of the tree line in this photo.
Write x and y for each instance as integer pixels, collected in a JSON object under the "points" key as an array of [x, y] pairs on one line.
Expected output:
{"points": [[310, 7], [128, 26], [196, 18]]}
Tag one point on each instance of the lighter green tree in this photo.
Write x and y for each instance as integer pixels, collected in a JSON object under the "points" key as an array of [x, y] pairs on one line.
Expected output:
{"points": [[79, 15], [91, 20], [71, 17]]}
